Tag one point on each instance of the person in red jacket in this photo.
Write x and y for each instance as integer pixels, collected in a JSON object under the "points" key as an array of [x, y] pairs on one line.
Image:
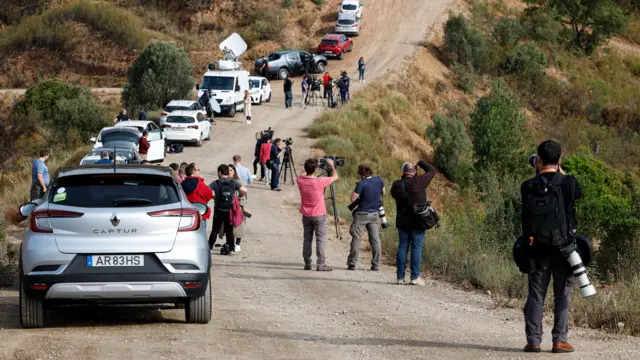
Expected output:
{"points": [[265, 155], [143, 145], [196, 190]]}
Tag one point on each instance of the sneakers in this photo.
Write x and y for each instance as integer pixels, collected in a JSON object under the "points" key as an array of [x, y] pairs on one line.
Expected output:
{"points": [[400, 282], [261, 179], [307, 266], [532, 348], [351, 267], [324, 268], [375, 268], [254, 176], [231, 253], [237, 248], [419, 281], [248, 122], [562, 347]]}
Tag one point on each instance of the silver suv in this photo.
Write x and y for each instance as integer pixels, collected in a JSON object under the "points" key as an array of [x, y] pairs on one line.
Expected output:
{"points": [[124, 234]]}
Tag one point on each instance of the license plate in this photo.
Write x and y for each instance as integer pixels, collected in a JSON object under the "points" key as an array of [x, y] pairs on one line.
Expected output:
{"points": [[115, 260], [328, 52], [177, 129]]}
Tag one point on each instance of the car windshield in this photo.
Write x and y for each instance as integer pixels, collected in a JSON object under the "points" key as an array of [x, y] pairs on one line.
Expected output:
{"points": [[329, 42], [181, 119], [217, 83], [113, 190], [350, 7], [176, 107], [346, 22], [254, 83], [120, 136], [128, 155]]}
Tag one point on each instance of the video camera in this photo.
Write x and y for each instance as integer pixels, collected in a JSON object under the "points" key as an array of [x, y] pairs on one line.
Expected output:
{"points": [[288, 142], [337, 161], [266, 134]]}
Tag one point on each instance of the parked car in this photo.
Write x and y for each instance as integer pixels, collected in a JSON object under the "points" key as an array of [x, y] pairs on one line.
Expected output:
{"points": [[123, 155], [335, 45], [348, 24], [128, 133], [289, 63], [187, 126], [124, 235], [351, 7], [185, 105], [259, 89]]}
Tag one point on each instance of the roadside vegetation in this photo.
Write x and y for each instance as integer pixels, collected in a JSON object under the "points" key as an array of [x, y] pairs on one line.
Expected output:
{"points": [[519, 77]]}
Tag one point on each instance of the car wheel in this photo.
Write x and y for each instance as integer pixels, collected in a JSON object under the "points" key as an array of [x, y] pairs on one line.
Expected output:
{"points": [[283, 73], [320, 67], [209, 134], [198, 310], [260, 102], [31, 310], [199, 142], [341, 56], [269, 98], [350, 48], [232, 111]]}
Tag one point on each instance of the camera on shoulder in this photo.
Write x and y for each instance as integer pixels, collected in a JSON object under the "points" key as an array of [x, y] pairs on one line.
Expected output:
{"points": [[337, 162]]}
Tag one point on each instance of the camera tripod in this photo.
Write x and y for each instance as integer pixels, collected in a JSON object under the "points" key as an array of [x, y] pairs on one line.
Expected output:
{"points": [[288, 164], [336, 212]]}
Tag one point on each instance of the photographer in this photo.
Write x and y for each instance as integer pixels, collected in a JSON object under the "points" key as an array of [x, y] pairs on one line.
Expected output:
{"points": [[276, 149], [265, 155], [314, 212], [409, 190], [545, 251], [367, 193], [256, 154]]}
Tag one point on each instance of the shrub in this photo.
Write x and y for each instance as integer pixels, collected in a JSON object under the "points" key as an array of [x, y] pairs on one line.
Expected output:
{"points": [[160, 74], [464, 45], [499, 131], [619, 253], [453, 148], [528, 62], [269, 25], [38, 31], [508, 31], [463, 78], [541, 25], [287, 4], [319, 2]]}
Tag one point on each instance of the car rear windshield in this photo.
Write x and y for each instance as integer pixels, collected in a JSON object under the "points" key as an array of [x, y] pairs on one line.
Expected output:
{"points": [[350, 7], [254, 84], [346, 22], [329, 42], [217, 83], [181, 119], [174, 108], [114, 190], [120, 136]]}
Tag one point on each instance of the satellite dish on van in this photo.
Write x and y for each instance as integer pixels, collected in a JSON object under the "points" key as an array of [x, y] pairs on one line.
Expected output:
{"points": [[233, 47]]}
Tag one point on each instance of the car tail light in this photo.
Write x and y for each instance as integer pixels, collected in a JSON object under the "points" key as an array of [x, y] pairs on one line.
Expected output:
{"points": [[191, 284], [39, 286], [36, 225], [354, 25], [189, 218], [193, 127], [164, 126]]}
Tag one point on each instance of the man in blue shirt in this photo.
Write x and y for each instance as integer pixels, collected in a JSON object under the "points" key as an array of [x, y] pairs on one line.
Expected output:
{"points": [[39, 176], [367, 193], [104, 159], [243, 173], [275, 160]]}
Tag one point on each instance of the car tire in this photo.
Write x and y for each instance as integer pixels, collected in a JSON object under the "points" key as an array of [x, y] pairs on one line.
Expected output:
{"points": [[350, 48], [269, 98], [341, 56], [320, 66], [260, 102], [209, 134], [198, 310], [199, 142], [232, 111], [283, 73], [31, 310]]}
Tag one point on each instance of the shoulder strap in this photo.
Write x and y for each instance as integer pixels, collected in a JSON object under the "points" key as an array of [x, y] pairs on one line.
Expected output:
{"points": [[406, 193]]}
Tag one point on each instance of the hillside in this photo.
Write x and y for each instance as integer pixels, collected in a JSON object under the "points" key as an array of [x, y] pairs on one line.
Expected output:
{"points": [[94, 42]]}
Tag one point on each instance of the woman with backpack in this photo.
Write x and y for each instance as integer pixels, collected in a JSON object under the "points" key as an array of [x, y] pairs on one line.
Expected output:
{"points": [[361, 69]]}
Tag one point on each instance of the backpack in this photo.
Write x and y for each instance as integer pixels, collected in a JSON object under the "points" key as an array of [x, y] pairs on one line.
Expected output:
{"points": [[224, 197], [426, 217], [544, 220], [176, 148], [344, 84]]}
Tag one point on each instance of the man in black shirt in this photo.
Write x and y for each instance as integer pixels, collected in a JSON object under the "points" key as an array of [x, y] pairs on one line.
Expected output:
{"points": [[411, 189], [288, 95], [549, 261], [264, 69], [122, 116], [223, 191]]}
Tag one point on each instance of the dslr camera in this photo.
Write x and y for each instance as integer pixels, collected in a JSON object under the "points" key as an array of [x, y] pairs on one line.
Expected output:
{"points": [[532, 160], [337, 161]]}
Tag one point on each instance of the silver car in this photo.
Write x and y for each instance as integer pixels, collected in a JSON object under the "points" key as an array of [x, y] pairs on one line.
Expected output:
{"points": [[125, 234], [348, 24]]}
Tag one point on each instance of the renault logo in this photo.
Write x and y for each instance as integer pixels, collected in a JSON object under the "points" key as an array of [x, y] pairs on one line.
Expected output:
{"points": [[114, 219]]}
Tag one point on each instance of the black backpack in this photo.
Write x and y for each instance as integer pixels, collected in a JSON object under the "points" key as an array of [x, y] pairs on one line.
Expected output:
{"points": [[544, 221], [344, 83], [224, 197]]}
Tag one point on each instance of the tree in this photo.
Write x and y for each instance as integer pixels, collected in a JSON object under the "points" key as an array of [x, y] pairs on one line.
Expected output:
{"points": [[453, 148], [463, 44], [499, 131], [160, 74], [591, 21]]}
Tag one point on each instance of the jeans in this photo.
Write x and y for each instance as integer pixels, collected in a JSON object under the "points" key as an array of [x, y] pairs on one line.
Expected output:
{"points": [[304, 98], [266, 172], [409, 239], [370, 222], [204, 223], [288, 99], [343, 96], [275, 176], [361, 74], [329, 97], [314, 225], [222, 219], [539, 280], [36, 192]]}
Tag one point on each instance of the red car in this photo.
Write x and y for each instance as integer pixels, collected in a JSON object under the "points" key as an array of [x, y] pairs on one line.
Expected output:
{"points": [[335, 45]]}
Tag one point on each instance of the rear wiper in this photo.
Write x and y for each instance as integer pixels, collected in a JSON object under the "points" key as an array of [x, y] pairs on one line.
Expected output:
{"points": [[131, 201]]}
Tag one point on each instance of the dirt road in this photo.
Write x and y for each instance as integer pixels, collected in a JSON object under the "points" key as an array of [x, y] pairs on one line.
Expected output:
{"points": [[265, 305]]}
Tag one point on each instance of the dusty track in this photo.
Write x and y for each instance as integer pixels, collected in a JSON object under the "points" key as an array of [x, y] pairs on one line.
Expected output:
{"points": [[265, 305]]}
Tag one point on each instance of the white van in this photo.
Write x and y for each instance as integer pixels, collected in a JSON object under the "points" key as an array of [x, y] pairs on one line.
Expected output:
{"points": [[227, 86]]}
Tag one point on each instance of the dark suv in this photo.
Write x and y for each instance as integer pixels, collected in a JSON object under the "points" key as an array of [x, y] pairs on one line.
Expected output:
{"points": [[289, 63], [335, 45]]}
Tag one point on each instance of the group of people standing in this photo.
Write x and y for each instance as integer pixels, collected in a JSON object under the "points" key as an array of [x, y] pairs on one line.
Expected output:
{"points": [[267, 154]]}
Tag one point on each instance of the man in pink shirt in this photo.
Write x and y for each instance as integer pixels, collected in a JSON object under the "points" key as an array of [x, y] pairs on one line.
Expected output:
{"points": [[314, 212]]}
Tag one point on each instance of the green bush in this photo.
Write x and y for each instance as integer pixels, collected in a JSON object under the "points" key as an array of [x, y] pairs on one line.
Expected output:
{"points": [[319, 2], [160, 74], [528, 62], [287, 4], [508, 31], [541, 25], [453, 149], [465, 45], [619, 253], [269, 25], [38, 31], [499, 131], [463, 78]]}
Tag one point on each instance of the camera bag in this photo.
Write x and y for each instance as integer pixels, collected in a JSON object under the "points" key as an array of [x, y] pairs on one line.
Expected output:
{"points": [[426, 216]]}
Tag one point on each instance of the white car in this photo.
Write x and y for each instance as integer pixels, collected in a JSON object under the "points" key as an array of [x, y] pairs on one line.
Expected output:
{"points": [[156, 138], [351, 7], [187, 126], [259, 89], [185, 105]]}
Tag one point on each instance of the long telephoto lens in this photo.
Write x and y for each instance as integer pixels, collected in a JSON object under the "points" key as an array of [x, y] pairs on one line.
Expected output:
{"points": [[383, 218], [580, 273]]}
